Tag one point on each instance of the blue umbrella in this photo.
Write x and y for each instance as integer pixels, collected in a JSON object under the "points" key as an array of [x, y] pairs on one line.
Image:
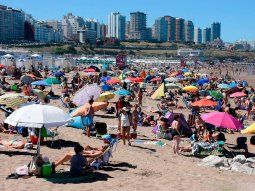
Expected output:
{"points": [[245, 84], [232, 84], [41, 83], [122, 92], [184, 70], [105, 78], [224, 86], [180, 76], [106, 87], [202, 81]]}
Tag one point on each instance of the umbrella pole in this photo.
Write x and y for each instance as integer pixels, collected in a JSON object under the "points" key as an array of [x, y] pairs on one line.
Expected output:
{"points": [[39, 142]]}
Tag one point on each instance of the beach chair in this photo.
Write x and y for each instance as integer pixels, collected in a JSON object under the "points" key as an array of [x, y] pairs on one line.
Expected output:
{"points": [[104, 158], [240, 146], [53, 134]]}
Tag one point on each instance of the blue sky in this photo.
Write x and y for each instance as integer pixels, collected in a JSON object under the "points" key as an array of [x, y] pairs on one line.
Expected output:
{"points": [[237, 16]]}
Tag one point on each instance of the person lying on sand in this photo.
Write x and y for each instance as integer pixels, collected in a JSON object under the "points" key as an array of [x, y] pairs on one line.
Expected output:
{"points": [[16, 144], [89, 153]]}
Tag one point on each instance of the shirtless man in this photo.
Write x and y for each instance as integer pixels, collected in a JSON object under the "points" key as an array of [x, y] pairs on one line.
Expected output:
{"points": [[199, 123]]}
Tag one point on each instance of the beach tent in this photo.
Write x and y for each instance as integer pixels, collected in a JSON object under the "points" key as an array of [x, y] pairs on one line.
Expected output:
{"points": [[160, 92], [184, 127]]}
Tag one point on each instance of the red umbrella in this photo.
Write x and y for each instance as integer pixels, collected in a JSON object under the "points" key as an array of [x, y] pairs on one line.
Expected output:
{"points": [[113, 81], [204, 103], [136, 80], [238, 94], [2, 66], [89, 70], [156, 80]]}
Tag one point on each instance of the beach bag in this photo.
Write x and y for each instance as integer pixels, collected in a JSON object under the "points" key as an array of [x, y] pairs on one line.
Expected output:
{"points": [[22, 171]]}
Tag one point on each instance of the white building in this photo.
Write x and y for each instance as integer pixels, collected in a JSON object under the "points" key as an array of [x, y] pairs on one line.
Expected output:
{"points": [[197, 35], [190, 53], [45, 33], [116, 26], [87, 36], [70, 25]]}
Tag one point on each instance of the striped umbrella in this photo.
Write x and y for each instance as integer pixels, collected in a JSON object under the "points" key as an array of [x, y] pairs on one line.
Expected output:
{"points": [[13, 100]]}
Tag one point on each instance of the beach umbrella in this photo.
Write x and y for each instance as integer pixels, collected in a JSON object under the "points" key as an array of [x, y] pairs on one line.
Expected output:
{"points": [[106, 87], [215, 94], [238, 94], [2, 66], [80, 111], [172, 86], [249, 130], [122, 92], [180, 77], [187, 74], [221, 119], [86, 93], [233, 85], [95, 68], [204, 103], [8, 56], [244, 83], [40, 83], [13, 100], [136, 80], [52, 81], [58, 74], [171, 79], [113, 81], [190, 89], [36, 56], [106, 96], [223, 86], [202, 81], [156, 80], [89, 70], [38, 116], [105, 78], [184, 70]]}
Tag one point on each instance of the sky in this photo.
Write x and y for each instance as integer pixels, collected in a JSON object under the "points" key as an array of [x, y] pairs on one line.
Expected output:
{"points": [[237, 17]]}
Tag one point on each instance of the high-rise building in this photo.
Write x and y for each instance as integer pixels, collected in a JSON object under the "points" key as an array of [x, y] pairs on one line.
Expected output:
{"points": [[127, 30], [189, 31], [170, 28], [179, 30], [215, 31], [87, 36], [71, 24], [93, 24], [160, 28], [11, 24], [138, 23], [29, 29], [206, 35], [103, 31], [197, 35], [116, 26], [57, 26]]}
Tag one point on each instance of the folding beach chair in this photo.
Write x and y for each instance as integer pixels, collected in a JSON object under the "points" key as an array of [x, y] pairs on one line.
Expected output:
{"points": [[191, 120], [53, 134]]}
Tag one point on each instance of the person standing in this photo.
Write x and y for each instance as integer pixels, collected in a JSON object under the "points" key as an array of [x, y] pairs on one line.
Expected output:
{"points": [[140, 97], [88, 116], [135, 116], [125, 121], [176, 134]]}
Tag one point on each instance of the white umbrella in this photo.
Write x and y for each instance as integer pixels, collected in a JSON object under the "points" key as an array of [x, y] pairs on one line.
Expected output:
{"points": [[85, 94], [36, 56], [38, 116], [171, 79], [8, 56]]}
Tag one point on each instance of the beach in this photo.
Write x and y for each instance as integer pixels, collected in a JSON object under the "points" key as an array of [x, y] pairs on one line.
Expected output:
{"points": [[137, 167]]}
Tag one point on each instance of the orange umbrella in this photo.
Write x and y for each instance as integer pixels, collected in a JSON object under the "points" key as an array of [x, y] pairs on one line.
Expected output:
{"points": [[136, 80], [204, 103], [143, 74], [113, 81], [96, 106]]}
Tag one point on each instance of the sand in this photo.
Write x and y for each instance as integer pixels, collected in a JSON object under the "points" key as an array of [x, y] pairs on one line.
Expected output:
{"points": [[137, 167]]}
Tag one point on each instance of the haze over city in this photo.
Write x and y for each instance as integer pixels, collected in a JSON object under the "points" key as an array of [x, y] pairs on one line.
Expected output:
{"points": [[236, 17]]}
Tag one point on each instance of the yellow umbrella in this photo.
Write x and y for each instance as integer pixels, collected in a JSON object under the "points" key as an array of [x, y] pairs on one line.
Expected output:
{"points": [[249, 130], [105, 96], [190, 89], [187, 74], [12, 100]]}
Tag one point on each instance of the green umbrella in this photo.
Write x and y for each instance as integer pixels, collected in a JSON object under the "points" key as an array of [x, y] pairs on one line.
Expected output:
{"points": [[216, 95], [52, 81]]}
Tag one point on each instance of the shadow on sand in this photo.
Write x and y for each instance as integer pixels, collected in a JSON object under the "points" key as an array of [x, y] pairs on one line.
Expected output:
{"points": [[122, 166], [16, 153], [58, 144], [145, 148], [66, 178]]}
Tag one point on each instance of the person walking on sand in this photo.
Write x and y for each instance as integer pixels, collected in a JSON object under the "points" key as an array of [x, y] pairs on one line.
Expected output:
{"points": [[88, 116], [125, 121], [140, 97], [176, 134]]}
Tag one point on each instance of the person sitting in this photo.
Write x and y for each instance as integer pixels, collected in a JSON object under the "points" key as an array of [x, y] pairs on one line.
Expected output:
{"points": [[89, 152], [78, 162]]}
